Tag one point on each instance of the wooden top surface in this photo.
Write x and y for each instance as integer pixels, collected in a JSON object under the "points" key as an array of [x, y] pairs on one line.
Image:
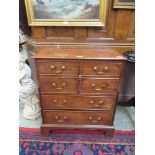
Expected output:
{"points": [[79, 54]]}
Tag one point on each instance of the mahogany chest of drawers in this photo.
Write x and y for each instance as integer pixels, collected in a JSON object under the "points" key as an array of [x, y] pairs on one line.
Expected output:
{"points": [[78, 88]]}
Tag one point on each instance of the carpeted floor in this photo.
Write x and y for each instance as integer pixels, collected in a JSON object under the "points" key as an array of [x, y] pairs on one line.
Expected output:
{"points": [[73, 142]]}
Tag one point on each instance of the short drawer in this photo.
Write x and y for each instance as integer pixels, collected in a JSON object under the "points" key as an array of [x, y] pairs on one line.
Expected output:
{"points": [[100, 68], [97, 102], [104, 85], [58, 85], [59, 102], [77, 117], [78, 102], [57, 67]]}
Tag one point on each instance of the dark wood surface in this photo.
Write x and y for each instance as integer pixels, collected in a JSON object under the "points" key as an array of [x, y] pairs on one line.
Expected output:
{"points": [[58, 85], [99, 85], [78, 95], [77, 117], [92, 54], [78, 102]]}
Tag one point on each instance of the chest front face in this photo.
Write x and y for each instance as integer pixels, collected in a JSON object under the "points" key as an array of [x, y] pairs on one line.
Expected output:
{"points": [[78, 92]]}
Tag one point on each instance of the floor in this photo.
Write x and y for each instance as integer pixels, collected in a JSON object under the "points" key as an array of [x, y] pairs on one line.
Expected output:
{"points": [[124, 119]]}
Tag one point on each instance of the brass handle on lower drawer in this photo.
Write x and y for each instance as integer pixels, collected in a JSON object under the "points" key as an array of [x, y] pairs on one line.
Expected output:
{"points": [[97, 105], [60, 120], [102, 87], [94, 120], [60, 104], [96, 68], [59, 88], [58, 72]]}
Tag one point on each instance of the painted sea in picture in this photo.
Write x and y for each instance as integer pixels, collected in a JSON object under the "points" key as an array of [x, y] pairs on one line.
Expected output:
{"points": [[66, 9]]}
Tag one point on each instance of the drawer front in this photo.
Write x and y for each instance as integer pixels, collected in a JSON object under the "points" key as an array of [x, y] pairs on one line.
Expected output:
{"points": [[100, 68], [78, 102], [59, 102], [58, 85], [57, 68], [97, 103], [77, 117], [99, 85]]}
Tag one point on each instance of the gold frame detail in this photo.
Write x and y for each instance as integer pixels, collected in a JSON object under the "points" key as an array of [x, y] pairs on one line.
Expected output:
{"points": [[123, 5], [57, 22]]}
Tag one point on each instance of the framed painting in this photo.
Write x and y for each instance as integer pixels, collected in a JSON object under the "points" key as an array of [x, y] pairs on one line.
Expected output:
{"points": [[124, 4], [66, 12]]}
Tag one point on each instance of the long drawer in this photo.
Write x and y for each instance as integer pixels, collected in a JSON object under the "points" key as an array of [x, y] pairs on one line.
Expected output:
{"points": [[58, 85], [99, 85], [77, 117], [78, 102]]}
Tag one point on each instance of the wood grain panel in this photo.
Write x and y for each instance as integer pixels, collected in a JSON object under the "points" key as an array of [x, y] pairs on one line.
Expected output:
{"points": [[80, 33], [131, 32], [122, 24], [56, 32], [39, 32]]}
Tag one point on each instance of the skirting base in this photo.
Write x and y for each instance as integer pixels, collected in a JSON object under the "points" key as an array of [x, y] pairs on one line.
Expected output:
{"points": [[108, 130]]}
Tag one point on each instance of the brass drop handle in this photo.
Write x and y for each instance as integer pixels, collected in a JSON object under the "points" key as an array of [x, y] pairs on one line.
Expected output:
{"points": [[60, 120], [96, 69], [97, 105], [58, 72], [60, 104], [94, 120], [102, 87], [59, 88]]}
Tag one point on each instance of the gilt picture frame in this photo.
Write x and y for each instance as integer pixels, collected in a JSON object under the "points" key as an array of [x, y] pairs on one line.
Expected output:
{"points": [[124, 4], [66, 12]]}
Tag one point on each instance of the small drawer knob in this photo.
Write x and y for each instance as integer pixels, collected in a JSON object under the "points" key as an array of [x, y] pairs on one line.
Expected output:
{"points": [[60, 104], [97, 70], [96, 105], [59, 88], [102, 86], [58, 71], [60, 120], [94, 120]]}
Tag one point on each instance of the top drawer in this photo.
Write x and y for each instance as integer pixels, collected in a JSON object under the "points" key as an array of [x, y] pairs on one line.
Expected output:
{"points": [[99, 68], [57, 67]]}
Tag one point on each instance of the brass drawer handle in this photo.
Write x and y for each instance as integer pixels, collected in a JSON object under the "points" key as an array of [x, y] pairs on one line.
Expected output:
{"points": [[96, 69], [99, 104], [94, 120], [60, 104], [60, 120], [102, 87], [58, 72], [59, 88]]}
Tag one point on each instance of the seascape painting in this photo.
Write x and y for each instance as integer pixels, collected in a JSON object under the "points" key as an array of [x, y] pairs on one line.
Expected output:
{"points": [[66, 9]]}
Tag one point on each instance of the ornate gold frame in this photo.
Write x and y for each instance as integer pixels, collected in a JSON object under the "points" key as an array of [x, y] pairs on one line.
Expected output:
{"points": [[123, 5], [57, 22]]}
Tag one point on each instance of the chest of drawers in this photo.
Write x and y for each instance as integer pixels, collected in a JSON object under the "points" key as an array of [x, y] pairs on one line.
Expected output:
{"points": [[78, 88]]}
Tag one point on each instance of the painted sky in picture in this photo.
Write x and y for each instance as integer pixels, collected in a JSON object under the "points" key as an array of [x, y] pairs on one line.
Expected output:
{"points": [[66, 9]]}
